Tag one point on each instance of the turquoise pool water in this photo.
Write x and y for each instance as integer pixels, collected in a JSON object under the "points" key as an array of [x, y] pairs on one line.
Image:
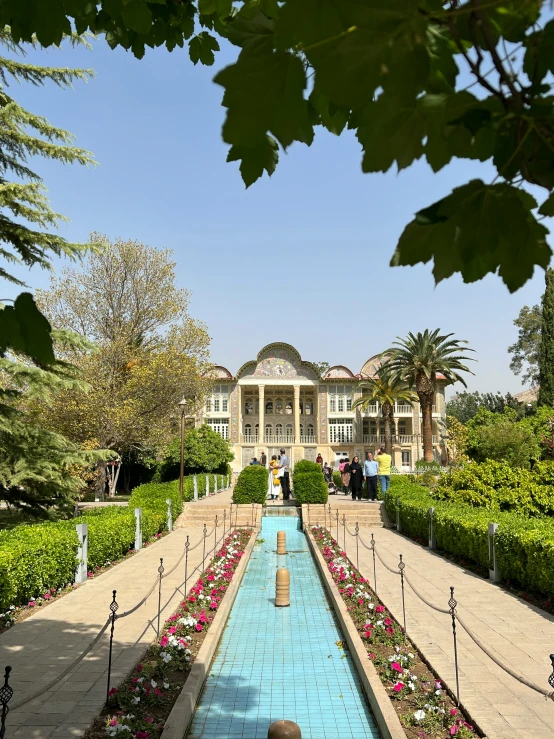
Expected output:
{"points": [[276, 663]]}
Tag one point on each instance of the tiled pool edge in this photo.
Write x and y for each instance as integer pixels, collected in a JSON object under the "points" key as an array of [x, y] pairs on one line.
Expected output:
{"points": [[181, 715], [385, 715]]}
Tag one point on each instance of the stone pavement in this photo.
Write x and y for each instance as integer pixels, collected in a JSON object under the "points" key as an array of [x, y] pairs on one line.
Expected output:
{"points": [[41, 647], [518, 633]]}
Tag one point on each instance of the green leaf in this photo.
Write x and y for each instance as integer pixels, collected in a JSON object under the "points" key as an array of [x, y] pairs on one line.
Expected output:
{"points": [[539, 53], [333, 117], [207, 7], [254, 29], [265, 92], [255, 160], [547, 208], [443, 68], [513, 17], [23, 329], [445, 137], [476, 230], [137, 16], [202, 47], [391, 130]]}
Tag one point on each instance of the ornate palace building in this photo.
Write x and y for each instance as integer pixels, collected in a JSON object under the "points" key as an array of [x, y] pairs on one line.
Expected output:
{"points": [[280, 401]]}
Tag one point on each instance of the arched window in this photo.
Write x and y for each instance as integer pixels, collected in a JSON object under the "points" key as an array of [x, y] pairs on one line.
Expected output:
{"points": [[301, 429], [269, 407], [290, 432], [248, 431], [268, 429], [311, 430]]}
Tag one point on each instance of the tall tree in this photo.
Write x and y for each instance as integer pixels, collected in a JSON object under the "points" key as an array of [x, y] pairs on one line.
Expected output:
{"points": [[25, 213], [546, 364], [37, 465], [527, 349], [394, 72], [416, 361], [147, 352], [386, 391]]}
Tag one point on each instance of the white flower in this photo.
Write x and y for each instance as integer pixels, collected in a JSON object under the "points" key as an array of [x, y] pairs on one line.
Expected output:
{"points": [[166, 686], [371, 606], [136, 700], [411, 686], [153, 683], [165, 657], [410, 655], [438, 692], [419, 715]]}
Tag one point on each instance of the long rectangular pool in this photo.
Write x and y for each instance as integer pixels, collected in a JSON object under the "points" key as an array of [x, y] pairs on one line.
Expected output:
{"points": [[282, 663]]}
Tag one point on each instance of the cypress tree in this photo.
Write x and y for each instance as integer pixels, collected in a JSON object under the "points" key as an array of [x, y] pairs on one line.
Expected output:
{"points": [[37, 466], [546, 362]]}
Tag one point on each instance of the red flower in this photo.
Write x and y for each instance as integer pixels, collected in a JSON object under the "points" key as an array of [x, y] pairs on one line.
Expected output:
{"points": [[398, 687], [396, 666], [380, 609]]}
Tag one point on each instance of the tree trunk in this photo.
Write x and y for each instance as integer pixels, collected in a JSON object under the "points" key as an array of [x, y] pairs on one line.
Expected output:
{"points": [[113, 475], [387, 417], [546, 361], [426, 401], [100, 481]]}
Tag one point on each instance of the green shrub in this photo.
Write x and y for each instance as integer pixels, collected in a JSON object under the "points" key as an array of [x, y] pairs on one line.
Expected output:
{"points": [[310, 487], [499, 486], [35, 558], [304, 465], [525, 547], [153, 496], [337, 479], [251, 485]]}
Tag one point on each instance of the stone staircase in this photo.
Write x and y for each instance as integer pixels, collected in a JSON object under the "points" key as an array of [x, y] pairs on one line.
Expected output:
{"points": [[199, 513], [367, 515]]}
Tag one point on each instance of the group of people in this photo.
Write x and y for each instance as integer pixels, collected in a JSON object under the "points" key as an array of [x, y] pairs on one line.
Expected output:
{"points": [[278, 480], [353, 474]]}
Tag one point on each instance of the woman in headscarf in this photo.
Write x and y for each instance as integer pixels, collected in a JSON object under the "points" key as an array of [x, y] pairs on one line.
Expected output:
{"points": [[356, 479]]}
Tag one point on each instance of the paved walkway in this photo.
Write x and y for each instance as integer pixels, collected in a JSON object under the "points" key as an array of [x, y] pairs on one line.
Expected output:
{"points": [[40, 647], [519, 634]]}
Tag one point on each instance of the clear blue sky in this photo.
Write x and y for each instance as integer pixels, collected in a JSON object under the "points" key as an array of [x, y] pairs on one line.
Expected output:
{"points": [[301, 257]]}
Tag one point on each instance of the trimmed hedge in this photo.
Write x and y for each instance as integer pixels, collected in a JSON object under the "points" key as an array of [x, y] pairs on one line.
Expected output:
{"points": [[35, 558], [309, 485], [524, 547], [251, 486]]}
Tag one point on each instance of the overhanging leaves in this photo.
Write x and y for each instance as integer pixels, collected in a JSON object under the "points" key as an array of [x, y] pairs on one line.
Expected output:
{"points": [[24, 330], [478, 229], [255, 160]]}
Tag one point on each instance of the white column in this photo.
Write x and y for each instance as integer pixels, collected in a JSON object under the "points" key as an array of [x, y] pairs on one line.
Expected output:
{"points": [[297, 414], [261, 417]]}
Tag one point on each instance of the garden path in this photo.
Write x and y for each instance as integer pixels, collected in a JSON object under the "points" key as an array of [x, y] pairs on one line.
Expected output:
{"points": [[518, 633], [41, 647]]}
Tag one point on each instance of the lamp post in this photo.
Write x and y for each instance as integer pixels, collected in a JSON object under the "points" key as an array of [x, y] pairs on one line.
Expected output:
{"points": [[183, 407]]}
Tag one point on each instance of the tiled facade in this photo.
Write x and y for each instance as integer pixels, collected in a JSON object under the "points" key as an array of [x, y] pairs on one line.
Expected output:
{"points": [[278, 400]]}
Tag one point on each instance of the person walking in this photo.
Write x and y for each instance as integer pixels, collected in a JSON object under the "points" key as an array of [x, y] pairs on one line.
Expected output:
{"points": [[345, 475], [319, 460], [356, 478], [263, 459], [284, 465], [384, 461], [371, 468]]}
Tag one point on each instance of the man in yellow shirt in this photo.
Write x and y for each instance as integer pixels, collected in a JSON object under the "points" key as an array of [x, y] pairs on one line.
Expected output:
{"points": [[384, 461]]}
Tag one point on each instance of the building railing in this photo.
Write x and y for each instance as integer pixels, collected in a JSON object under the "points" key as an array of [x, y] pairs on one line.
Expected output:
{"points": [[279, 439], [308, 440], [249, 438], [403, 409]]}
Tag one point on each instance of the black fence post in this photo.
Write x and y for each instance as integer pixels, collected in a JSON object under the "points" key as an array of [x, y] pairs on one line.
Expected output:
{"points": [[357, 530], [374, 569], [113, 608], [338, 528], [401, 567], [161, 574], [330, 521], [187, 545], [452, 603], [204, 547], [309, 522], [215, 534], [551, 678], [344, 532], [224, 522], [6, 693]]}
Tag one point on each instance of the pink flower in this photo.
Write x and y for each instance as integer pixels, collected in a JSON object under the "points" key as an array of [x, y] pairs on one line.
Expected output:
{"points": [[368, 634], [453, 711], [388, 622], [164, 641], [360, 601], [139, 668], [113, 722], [172, 630], [31, 604], [46, 596], [380, 609], [141, 735], [453, 730], [158, 691], [396, 666], [149, 720], [112, 691], [398, 687], [371, 655], [198, 627]]}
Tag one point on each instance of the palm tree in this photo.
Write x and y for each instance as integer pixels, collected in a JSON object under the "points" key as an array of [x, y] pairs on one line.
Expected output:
{"points": [[416, 361], [386, 391]]}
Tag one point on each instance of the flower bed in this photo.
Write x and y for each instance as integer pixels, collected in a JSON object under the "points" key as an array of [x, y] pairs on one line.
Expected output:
{"points": [[424, 707], [140, 706]]}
